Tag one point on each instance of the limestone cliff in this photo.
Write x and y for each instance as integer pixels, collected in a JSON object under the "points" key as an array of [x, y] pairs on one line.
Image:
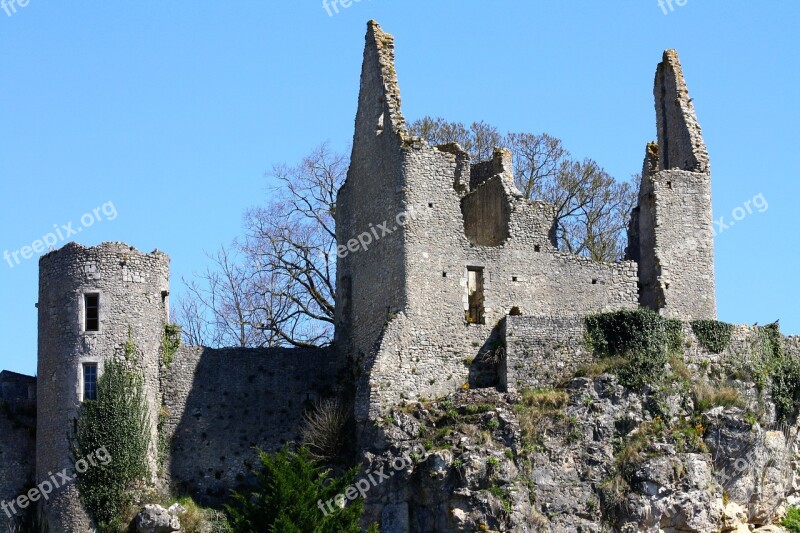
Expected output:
{"points": [[704, 447]]}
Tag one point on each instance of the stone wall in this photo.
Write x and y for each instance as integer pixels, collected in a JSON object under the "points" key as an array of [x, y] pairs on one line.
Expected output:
{"points": [[673, 225], [370, 276], [429, 348], [414, 283], [542, 351], [219, 405], [17, 453]]}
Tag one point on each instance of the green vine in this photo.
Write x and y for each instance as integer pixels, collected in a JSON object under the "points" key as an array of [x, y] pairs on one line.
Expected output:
{"points": [[714, 335], [784, 373], [113, 434], [773, 370], [130, 346], [163, 443], [170, 343], [642, 337]]}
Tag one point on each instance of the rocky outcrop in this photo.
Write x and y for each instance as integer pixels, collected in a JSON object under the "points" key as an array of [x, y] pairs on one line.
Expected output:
{"points": [[593, 456], [155, 519]]}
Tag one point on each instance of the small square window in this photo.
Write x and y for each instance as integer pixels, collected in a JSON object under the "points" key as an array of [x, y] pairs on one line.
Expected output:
{"points": [[594, 282], [514, 278], [89, 381], [537, 248], [430, 204], [444, 274], [91, 303]]}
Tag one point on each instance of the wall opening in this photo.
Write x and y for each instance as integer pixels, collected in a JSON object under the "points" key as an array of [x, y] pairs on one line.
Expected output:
{"points": [[475, 295], [487, 214], [91, 307]]}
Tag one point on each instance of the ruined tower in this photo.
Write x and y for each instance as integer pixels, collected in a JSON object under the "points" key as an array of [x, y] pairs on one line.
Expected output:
{"points": [[92, 302], [436, 249], [671, 234]]}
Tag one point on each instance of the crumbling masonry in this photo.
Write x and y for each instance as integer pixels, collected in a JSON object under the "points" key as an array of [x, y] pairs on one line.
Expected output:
{"points": [[422, 308], [465, 270]]}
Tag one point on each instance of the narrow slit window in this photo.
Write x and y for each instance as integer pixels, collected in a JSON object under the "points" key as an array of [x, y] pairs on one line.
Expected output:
{"points": [[89, 382], [475, 296], [92, 308]]}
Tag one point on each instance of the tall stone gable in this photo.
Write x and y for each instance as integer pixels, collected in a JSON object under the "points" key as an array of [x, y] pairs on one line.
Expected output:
{"points": [[672, 236], [371, 275]]}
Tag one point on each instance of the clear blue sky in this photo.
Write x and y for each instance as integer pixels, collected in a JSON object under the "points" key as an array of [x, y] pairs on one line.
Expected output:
{"points": [[175, 110]]}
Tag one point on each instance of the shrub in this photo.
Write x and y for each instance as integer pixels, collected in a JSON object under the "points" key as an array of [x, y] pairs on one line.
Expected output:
{"points": [[772, 369], [292, 491], [118, 422], [786, 387], [644, 338], [323, 430], [792, 520], [714, 335]]}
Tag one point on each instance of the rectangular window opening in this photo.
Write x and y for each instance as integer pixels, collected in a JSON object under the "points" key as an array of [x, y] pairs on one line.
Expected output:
{"points": [[91, 304], [475, 295], [89, 381]]}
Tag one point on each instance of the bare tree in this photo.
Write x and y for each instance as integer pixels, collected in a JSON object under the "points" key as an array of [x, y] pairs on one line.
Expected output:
{"points": [[479, 139], [291, 249], [220, 310], [277, 287]]}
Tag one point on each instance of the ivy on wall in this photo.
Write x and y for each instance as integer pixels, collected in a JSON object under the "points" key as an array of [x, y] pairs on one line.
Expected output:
{"points": [[713, 335], [643, 338], [170, 343], [118, 423], [781, 372]]}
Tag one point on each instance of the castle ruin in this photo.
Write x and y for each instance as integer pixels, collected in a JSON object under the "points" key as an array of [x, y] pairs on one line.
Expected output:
{"points": [[465, 266]]}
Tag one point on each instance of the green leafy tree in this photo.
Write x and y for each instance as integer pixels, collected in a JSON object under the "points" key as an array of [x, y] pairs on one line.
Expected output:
{"points": [[116, 423], [292, 496]]}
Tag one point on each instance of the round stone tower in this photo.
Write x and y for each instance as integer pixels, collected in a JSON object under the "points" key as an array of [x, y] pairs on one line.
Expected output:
{"points": [[92, 301]]}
